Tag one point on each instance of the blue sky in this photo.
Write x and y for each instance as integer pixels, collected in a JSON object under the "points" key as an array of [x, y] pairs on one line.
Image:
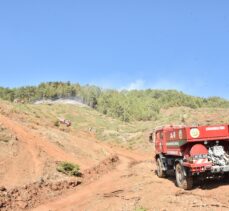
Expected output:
{"points": [[117, 44]]}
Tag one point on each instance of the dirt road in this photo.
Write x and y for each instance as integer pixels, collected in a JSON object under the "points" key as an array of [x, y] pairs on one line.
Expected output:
{"points": [[133, 185]]}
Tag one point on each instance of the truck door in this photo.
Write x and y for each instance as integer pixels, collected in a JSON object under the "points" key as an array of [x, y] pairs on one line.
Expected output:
{"points": [[160, 141]]}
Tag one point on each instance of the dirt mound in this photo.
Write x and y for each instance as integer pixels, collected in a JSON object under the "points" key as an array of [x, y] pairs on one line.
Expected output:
{"points": [[29, 196], [102, 168]]}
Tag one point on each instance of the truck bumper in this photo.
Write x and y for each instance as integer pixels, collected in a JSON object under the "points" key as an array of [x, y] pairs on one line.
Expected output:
{"points": [[207, 167], [198, 168]]}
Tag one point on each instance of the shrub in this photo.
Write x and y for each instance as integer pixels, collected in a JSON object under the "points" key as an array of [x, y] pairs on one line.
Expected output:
{"points": [[140, 209], [68, 168], [57, 123]]}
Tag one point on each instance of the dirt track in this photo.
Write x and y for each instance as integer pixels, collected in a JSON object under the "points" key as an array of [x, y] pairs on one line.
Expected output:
{"points": [[32, 148], [132, 185], [129, 185]]}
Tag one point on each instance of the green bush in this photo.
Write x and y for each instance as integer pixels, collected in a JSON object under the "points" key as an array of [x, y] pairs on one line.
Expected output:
{"points": [[68, 168], [140, 209], [57, 123]]}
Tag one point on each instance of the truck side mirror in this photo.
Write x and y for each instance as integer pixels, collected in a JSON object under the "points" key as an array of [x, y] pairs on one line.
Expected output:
{"points": [[151, 138]]}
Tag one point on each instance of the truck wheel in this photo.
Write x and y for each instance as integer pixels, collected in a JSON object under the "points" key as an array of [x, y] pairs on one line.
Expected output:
{"points": [[182, 181], [160, 171]]}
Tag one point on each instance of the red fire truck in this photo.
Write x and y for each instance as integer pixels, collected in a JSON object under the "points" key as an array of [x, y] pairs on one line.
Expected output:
{"points": [[191, 151]]}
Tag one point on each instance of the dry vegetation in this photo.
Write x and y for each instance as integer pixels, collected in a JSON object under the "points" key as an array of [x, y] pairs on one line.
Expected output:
{"points": [[132, 135]]}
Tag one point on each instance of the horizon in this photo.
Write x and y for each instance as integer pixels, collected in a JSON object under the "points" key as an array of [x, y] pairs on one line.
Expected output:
{"points": [[129, 45]]}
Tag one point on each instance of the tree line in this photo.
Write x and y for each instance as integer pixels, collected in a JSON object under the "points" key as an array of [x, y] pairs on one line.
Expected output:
{"points": [[125, 105]]}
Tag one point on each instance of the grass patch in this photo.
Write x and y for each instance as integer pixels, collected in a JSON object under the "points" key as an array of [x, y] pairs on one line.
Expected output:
{"points": [[4, 140], [140, 209], [68, 168]]}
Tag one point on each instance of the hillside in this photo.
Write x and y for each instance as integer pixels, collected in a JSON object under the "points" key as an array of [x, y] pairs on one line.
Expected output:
{"points": [[134, 105], [32, 145], [132, 135]]}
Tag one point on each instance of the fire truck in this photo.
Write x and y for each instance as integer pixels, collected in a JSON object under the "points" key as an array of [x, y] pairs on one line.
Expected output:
{"points": [[191, 151]]}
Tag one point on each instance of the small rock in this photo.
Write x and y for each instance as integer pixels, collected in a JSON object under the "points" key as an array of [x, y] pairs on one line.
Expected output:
{"points": [[2, 188], [41, 180], [13, 191], [55, 187], [22, 204], [25, 187]]}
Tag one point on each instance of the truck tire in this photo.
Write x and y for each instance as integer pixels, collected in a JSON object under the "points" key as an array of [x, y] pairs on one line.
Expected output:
{"points": [[182, 181], [160, 172]]}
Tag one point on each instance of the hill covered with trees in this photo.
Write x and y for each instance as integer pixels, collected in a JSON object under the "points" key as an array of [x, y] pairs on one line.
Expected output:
{"points": [[125, 105]]}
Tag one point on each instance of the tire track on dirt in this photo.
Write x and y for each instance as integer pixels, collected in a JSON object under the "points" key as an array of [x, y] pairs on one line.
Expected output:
{"points": [[35, 141]]}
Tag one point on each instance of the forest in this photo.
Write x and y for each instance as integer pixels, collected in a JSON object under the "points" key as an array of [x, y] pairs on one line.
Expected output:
{"points": [[124, 105]]}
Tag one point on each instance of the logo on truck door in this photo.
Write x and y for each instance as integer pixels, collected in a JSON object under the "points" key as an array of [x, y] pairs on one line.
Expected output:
{"points": [[194, 133]]}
